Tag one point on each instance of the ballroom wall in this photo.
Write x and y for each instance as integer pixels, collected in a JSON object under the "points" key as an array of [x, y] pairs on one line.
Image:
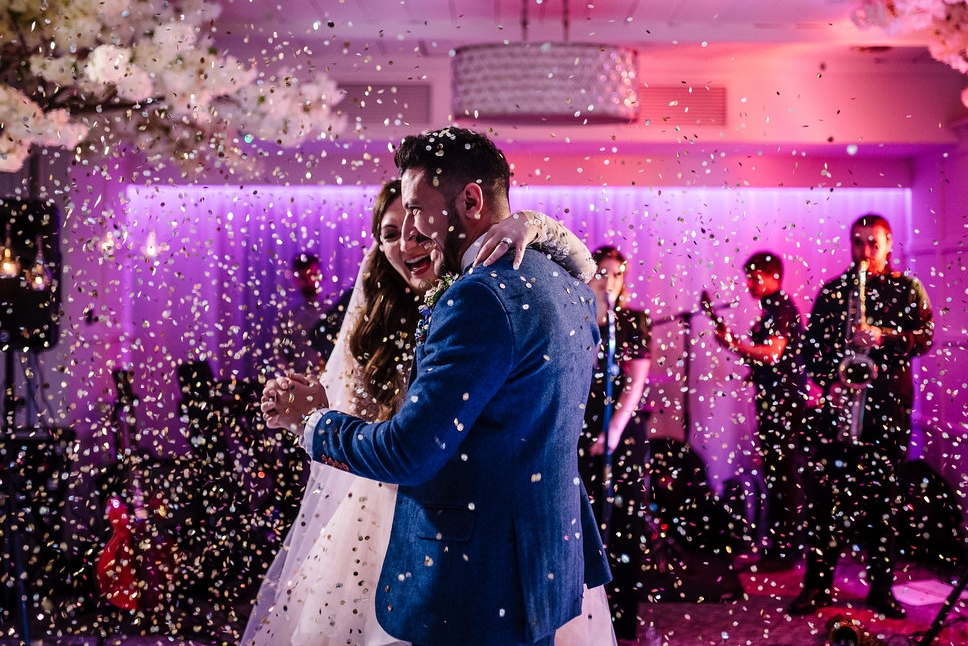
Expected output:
{"points": [[210, 281], [687, 203]]}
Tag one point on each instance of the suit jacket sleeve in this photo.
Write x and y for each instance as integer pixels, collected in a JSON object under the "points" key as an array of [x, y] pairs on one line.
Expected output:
{"points": [[465, 360]]}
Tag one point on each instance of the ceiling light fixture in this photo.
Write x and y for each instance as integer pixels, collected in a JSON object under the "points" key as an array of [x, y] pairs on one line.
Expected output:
{"points": [[545, 83]]}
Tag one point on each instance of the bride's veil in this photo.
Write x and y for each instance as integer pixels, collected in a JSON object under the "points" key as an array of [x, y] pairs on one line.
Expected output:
{"points": [[326, 486]]}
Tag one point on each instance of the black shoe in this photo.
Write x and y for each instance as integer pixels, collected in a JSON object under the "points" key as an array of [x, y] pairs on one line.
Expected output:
{"points": [[809, 601], [885, 603]]}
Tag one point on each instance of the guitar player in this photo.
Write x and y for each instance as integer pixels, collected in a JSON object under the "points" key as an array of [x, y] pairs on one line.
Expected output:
{"points": [[772, 351]]}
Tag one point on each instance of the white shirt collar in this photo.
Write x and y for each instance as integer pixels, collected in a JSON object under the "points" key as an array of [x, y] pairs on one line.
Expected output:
{"points": [[468, 258]]}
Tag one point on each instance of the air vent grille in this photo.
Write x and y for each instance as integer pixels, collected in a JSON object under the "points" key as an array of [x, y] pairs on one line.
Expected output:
{"points": [[683, 104]]}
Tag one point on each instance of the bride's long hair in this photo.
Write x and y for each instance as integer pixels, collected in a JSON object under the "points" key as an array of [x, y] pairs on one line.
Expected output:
{"points": [[383, 341]]}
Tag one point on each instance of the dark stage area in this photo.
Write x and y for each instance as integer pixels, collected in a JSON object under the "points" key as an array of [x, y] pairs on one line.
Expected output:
{"points": [[139, 546], [755, 617], [200, 550]]}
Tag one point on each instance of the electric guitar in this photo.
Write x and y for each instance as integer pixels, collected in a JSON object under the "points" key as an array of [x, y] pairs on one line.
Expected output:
{"points": [[135, 555]]}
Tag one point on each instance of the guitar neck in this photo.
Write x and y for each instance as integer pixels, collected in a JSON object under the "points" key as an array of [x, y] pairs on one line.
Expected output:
{"points": [[709, 308], [125, 411]]}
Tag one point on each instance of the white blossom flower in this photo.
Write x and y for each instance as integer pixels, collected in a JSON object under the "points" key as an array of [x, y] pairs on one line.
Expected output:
{"points": [[150, 72], [111, 65], [944, 21]]}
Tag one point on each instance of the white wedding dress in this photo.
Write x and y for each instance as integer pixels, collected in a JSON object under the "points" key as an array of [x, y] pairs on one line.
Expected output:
{"points": [[319, 589]]}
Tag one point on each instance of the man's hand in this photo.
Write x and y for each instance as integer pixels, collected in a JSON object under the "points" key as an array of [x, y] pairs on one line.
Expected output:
{"points": [[724, 336], [286, 401], [867, 337]]}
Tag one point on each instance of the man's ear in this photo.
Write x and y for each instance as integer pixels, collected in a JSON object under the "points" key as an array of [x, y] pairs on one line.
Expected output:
{"points": [[471, 201]]}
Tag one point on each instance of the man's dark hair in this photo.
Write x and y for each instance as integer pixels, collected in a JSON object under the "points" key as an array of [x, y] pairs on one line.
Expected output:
{"points": [[304, 261], [455, 157], [766, 262], [871, 220]]}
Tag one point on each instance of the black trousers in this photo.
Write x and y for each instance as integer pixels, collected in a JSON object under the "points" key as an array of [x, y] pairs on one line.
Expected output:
{"points": [[854, 483], [624, 531], [780, 417]]}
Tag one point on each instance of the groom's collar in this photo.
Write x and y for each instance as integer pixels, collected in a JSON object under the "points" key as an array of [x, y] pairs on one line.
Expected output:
{"points": [[468, 258]]}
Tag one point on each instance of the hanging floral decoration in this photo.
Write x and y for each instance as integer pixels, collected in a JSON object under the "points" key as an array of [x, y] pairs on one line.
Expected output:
{"points": [[90, 75], [946, 21]]}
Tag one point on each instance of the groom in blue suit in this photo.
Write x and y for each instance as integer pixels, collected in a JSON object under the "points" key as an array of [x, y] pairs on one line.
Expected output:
{"points": [[492, 535]]}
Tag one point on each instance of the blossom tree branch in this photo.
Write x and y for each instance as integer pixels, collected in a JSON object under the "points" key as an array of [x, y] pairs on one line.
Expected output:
{"points": [[94, 76], [945, 22]]}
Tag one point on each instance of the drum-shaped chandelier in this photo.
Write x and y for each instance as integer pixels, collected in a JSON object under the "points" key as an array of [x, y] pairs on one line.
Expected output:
{"points": [[545, 83]]}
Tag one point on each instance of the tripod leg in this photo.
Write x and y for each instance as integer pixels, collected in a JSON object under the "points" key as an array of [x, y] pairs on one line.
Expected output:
{"points": [[12, 532], [21, 587], [946, 607]]}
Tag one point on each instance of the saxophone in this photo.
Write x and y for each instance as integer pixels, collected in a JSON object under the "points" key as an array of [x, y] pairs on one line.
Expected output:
{"points": [[857, 370]]}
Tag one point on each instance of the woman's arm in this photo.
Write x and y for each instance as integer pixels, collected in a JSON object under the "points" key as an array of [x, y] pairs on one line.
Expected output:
{"points": [[550, 236], [637, 371]]}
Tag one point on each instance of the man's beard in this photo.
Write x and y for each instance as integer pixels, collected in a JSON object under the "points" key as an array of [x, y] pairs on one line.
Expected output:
{"points": [[456, 232]]}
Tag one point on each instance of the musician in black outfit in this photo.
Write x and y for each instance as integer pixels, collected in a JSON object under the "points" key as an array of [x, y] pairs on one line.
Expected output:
{"points": [[874, 322], [773, 352], [623, 520]]}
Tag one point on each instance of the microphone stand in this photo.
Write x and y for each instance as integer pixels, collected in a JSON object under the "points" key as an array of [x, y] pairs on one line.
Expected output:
{"points": [[13, 519], [611, 370], [684, 318], [946, 607]]}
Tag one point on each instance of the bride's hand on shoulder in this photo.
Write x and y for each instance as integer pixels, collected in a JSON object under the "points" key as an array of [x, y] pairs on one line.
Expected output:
{"points": [[515, 232]]}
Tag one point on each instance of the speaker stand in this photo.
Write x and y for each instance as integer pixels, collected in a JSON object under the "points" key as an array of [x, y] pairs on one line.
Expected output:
{"points": [[946, 607], [12, 543], [13, 547]]}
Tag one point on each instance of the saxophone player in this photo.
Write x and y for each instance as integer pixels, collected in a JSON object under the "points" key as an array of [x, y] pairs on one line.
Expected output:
{"points": [[869, 317]]}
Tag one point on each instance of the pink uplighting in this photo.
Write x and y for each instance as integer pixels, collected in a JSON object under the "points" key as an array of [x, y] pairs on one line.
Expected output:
{"points": [[227, 254], [188, 190]]}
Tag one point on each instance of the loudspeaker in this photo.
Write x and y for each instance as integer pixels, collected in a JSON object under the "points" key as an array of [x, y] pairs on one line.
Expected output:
{"points": [[29, 312], [930, 521], [683, 499], [690, 557]]}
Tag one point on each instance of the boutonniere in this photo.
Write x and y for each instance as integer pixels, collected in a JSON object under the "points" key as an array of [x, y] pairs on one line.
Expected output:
{"points": [[431, 298]]}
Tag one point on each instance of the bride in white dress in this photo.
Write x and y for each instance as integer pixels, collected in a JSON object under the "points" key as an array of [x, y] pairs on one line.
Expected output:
{"points": [[319, 589]]}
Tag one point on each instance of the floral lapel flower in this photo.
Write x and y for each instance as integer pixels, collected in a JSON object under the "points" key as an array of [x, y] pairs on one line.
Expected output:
{"points": [[431, 298], [437, 290]]}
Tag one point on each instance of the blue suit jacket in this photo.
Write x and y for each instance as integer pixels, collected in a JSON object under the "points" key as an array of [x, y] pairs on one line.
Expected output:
{"points": [[492, 535]]}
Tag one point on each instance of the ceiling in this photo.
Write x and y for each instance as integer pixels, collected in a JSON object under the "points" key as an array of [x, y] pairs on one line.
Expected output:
{"points": [[741, 44], [428, 27]]}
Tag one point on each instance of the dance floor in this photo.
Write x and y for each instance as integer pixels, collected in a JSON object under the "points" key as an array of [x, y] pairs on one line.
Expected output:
{"points": [[754, 616], [757, 616]]}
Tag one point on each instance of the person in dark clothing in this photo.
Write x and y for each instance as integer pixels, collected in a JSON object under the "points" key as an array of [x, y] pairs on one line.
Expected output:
{"points": [[296, 328], [773, 352], [323, 339], [621, 518], [866, 327]]}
